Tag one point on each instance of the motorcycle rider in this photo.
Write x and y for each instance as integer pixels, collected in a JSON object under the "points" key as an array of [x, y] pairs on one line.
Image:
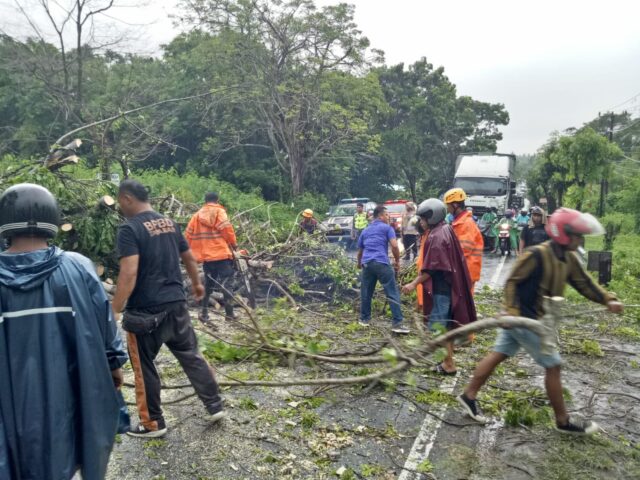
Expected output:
{"points": [[488, 221], [543, 271], [534, 233], [523, 219], [513, 230]]}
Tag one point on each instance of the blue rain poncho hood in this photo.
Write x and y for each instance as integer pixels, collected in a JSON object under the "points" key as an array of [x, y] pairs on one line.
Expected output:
{"points": [[58, 345]]}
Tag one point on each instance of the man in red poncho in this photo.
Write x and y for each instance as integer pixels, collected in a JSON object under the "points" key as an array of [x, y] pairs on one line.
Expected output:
{"points": [[444, 277]]}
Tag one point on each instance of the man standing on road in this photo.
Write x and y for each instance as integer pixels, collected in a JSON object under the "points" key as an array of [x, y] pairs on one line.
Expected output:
{"points": [[543, 271], [446, 286], [410, 231], [212, 240], [373, 259], [534, 233], [359, 223], [467, 232], [150, 247], [60, 351]]}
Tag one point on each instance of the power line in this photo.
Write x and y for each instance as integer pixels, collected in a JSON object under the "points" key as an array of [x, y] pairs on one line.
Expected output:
{"points": [[636, 96], [626, 127]]}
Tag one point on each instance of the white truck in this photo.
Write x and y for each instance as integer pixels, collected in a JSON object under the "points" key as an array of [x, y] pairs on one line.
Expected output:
{"points": [[487, 179]]}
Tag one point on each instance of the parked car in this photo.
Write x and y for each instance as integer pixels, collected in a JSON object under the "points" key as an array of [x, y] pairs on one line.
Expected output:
{"points": [[395, 209], [338, 225]]}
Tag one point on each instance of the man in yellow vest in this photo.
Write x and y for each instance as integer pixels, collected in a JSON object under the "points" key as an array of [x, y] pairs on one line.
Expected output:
{"points": [[359, 223]]}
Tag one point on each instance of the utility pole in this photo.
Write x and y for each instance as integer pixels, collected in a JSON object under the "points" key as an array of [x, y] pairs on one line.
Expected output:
{"points": [[604, 183]]}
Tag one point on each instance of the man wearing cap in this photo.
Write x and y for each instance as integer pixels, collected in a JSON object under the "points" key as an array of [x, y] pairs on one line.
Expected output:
{"points": [[467, 231], [60, 350], [308, 223]]}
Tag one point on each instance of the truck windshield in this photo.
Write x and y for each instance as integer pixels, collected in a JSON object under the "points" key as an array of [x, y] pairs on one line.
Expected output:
{"points": [[481, 186], [344, 211]]}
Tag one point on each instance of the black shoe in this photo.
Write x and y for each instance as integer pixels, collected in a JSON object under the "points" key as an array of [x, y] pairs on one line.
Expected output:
{"points": [[578, 427], [143, 432], [472, 407]]}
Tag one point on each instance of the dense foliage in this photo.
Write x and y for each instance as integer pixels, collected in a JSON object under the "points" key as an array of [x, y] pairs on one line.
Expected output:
{"points": [[276, 97]]}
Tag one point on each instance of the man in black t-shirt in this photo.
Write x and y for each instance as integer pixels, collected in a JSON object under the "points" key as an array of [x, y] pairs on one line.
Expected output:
{"points": [[150, 247], [534, 233]]}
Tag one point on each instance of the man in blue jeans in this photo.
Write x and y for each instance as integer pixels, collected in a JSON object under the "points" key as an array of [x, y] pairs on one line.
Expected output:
{"points": [[373, 259]]}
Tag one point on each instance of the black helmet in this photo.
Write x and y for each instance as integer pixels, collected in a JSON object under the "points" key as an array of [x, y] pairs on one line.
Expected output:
{"points": [[432, 210], [28, 209], [537, 210]]}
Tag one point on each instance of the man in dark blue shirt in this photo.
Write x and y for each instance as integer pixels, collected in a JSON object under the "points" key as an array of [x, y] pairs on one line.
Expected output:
{"points": [[373, 259]]}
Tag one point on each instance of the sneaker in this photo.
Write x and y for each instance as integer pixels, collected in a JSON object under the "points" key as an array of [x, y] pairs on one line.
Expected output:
{"points": [[472, 407], [216, 412], [578, 427], [141, 431], [363, 323], [400, 329]]}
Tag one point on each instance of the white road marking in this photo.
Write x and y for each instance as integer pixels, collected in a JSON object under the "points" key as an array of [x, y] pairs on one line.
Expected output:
{"points": [[493, 283], [423, 443]]}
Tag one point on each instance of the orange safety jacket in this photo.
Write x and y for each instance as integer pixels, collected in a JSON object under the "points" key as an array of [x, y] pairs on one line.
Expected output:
{"points": [[210, 234], [471, 242], [419, 262]]}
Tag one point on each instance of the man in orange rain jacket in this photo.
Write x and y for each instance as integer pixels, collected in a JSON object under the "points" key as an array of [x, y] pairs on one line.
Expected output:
{"points": [[467, 232], [211, 238]]}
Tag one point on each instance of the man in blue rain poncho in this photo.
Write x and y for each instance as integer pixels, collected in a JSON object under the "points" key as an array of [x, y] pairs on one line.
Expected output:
{"points": [[60, 351]]}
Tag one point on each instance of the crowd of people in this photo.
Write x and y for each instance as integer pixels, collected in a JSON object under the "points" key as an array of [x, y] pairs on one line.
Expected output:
{"points": [[60, 404]]}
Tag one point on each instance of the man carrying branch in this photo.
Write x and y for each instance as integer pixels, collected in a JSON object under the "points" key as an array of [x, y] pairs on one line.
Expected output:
{"points": [[543, 271]]}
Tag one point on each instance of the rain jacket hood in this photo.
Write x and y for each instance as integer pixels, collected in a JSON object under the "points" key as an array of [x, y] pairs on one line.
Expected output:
{"points": [[58, 344], [26, 271]]}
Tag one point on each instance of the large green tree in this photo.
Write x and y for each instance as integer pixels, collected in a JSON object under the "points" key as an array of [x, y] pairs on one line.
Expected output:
{"points": [[286, 52], [428, 126]]}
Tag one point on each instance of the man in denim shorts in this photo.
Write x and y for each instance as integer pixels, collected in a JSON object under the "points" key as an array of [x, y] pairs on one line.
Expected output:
{"points": [[543, 271]]}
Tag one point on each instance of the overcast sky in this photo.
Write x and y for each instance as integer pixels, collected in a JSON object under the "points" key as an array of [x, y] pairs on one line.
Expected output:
{"points": [[553, 63]]}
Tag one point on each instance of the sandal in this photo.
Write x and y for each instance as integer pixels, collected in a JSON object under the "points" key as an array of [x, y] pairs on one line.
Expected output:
{"points": [[441, 371]]}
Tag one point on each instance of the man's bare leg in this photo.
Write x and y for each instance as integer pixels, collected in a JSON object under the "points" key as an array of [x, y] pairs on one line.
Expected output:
{"points": [[448, 363], [483, 371], [553, 384]]}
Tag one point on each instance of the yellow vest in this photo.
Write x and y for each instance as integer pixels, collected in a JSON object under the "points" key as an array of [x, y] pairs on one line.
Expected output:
{"points": [[360, 221]]}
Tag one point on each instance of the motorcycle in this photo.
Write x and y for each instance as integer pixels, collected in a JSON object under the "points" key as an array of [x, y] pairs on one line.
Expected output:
{"points": [[504, 238]]}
